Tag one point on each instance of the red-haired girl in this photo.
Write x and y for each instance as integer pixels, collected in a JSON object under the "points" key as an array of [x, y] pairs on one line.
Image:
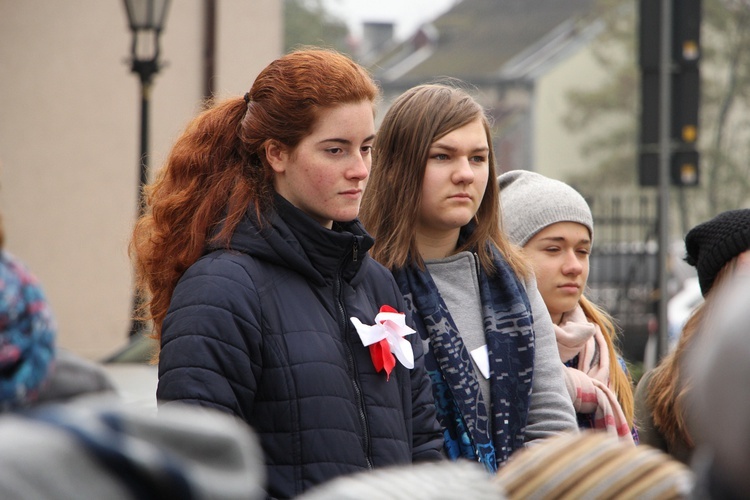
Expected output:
{"points": [[254, 265]]}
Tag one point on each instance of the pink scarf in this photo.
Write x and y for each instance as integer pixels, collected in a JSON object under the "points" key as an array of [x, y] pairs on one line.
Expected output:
{"points": [[588, 383]]}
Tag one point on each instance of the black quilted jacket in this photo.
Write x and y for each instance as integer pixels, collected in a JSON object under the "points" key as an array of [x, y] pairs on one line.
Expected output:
{"points": [[262, 330]]}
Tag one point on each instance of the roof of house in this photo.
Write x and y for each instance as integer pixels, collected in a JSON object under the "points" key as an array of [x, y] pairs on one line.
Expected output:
{"points": [[475, 39]]}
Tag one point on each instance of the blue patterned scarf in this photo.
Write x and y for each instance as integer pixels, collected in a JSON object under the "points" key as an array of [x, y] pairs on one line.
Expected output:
{"points": [[509, 332]]}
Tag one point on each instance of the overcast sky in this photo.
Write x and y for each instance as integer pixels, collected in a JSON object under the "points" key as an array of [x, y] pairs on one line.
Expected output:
{"points": [[406, 14]]}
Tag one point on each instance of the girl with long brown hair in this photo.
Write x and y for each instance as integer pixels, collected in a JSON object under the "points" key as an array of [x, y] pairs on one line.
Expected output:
{"points": [[432, 206], [718, 248], [256, 269]]}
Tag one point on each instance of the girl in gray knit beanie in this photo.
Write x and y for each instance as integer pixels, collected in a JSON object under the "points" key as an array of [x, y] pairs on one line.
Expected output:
{"points": [[554, 225]]}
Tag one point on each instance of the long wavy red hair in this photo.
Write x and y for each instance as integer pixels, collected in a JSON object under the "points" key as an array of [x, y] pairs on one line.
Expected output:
{"points": [[217, 169]]}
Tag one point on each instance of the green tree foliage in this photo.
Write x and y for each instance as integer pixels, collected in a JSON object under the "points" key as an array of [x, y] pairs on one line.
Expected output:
{"points": [[608, 116], [307, 22]]}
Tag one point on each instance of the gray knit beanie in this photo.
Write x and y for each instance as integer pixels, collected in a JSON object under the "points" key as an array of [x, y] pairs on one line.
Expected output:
{"points": [[530, 202]]}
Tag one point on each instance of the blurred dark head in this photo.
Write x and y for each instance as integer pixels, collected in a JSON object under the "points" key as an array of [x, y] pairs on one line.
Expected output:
{"points": [[719, 395]]}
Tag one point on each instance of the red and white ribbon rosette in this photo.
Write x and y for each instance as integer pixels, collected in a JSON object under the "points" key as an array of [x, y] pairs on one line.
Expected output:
{"points": [[386, 338]]}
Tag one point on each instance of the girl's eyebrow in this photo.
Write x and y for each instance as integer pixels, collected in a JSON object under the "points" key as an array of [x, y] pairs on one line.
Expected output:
{"points": [[442, 146], [584, 241], [447, 147], [345, 142]]}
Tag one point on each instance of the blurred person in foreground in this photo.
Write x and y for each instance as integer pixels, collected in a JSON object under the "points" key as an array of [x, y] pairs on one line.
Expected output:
{"points": [[66, 435], [27, 333], [445, 480], [594, 465], [433, 211], [718, 248], [590, 464], [717, 401], [553, 224], [98, 447], [262, 293], [33, 370]]}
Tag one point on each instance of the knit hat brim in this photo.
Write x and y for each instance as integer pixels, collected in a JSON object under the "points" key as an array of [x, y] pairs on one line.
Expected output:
{"points": [[712, 244]]}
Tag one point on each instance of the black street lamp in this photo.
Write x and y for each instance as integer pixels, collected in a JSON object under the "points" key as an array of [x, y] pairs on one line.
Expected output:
{"points": [[146, 20]]}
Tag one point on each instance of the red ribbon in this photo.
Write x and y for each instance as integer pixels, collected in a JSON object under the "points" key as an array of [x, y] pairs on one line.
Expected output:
{"points": [[380, 352]]}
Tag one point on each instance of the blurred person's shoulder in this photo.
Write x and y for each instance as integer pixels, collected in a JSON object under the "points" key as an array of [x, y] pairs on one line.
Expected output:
{"points": [[74, 376], [104, 448]]}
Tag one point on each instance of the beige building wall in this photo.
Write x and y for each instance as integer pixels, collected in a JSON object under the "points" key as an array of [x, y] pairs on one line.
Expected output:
{"points": [[70, 132], [557, 151]]}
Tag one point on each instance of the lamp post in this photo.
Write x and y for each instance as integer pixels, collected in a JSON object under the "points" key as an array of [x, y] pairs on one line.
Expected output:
{"points": [[146, 20]]}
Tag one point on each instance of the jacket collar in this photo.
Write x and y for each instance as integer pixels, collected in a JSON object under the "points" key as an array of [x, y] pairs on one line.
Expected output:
{"points": [[291, 238]]}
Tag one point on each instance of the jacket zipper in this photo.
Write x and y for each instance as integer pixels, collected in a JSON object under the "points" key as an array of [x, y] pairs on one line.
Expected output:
{"points": [[351, 362]]}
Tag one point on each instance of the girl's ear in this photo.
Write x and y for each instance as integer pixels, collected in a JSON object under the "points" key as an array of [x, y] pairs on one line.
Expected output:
{"points": [[277, 156]]}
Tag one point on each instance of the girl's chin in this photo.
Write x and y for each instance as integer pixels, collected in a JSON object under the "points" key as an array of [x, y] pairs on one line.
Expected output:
{"points": [[461, 220], [566, 306]]}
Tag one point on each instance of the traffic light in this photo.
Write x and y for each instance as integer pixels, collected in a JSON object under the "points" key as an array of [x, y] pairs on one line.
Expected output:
{"points": [[684, 89], [686, 85], [683, 168]]}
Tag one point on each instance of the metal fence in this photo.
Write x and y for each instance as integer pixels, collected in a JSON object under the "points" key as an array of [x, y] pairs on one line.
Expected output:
{"points": [[623, 277]]}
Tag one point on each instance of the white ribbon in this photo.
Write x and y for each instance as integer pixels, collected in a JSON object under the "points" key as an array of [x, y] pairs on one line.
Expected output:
{"points": [[392, 327]]}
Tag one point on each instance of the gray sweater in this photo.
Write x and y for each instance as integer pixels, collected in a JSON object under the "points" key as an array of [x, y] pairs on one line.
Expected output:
{"points": [[551, 411]]}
